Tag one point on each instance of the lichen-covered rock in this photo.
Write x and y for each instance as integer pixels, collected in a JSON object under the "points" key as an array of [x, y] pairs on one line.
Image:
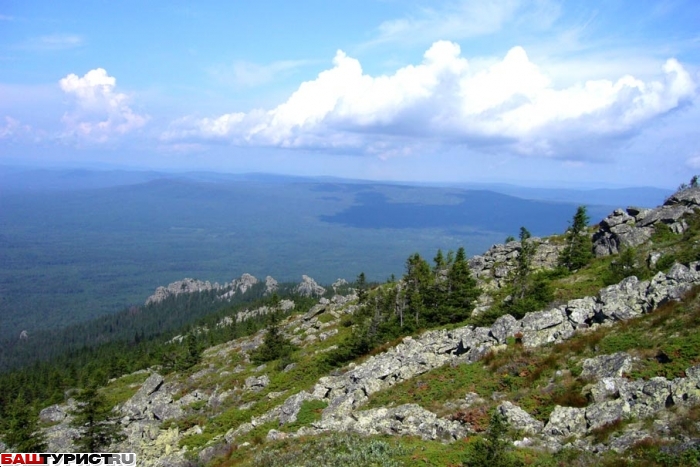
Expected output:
{"points": [[153, 401], [309, 288], [607, 366], [257, 383], [566, 421], [519, 419], [504, 327]]}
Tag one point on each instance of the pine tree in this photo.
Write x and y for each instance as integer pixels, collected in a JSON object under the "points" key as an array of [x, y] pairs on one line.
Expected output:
{"points": [[578, 251], [92, 419]]}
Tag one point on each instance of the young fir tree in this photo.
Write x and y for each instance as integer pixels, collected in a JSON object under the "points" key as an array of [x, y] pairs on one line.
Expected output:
{"points": [[361, 286], [578, 251], [419, 282], [20, 427], [463, 291], [523, 265], [275, 345], [92, 419]]}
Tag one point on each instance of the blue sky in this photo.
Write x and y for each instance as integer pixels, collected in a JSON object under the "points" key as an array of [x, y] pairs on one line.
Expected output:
{"points": [[531, 92]]}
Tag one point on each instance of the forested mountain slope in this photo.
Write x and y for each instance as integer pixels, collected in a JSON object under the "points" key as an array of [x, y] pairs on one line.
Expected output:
{"points": [[538, 352]]}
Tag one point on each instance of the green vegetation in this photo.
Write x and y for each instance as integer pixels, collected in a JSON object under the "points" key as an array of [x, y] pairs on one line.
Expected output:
{"points": [[338, 450], [426, 298], [92, 419], [20, 425], [578, 250]]}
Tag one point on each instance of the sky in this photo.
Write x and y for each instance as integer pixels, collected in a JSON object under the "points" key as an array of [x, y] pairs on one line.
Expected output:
{"points": [[541, 92]]}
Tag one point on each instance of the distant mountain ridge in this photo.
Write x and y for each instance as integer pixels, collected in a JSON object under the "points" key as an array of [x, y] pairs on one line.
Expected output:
{"points": [[77, 244]]}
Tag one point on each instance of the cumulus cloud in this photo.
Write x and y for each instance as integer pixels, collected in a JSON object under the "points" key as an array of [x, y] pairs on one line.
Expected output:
{"points": [[99, 112], [444, 100]]}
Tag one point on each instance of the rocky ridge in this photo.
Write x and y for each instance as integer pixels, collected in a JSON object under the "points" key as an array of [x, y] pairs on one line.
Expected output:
{"points": [[613, 397], [633, 226], [307, 287], [154, 403]]}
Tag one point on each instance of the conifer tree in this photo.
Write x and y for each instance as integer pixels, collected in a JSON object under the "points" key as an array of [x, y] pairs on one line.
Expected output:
{"points": [[463, 290], [92, 419], [523, 264], [578, 251], [361, 288], [20, 428]]}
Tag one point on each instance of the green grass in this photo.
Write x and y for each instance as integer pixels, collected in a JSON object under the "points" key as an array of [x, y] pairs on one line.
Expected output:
{"points": [[122, 389]]}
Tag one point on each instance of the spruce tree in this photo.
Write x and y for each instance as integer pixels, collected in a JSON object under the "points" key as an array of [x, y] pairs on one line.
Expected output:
{"points": [[20, 427], [92, 419], [463, 290], [578, 251], [361, 286], [523, 265]]}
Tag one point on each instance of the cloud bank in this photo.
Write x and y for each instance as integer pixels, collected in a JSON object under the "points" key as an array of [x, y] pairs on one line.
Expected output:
{"points": [[99, 113], [511, 104]]}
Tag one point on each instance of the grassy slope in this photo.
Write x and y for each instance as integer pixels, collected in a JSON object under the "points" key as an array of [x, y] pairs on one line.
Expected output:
{"points": [[665, 342]]}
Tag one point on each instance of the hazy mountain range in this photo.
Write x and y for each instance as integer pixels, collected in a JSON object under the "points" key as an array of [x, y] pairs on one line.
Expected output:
{"points": [[75, 244]]}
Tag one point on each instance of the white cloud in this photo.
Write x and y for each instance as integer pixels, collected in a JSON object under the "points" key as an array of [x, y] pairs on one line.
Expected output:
{"points": [[53, 42], [466, 19], [510, 104], [100, 112], [248, 74], [693, 162], [12, 128]]}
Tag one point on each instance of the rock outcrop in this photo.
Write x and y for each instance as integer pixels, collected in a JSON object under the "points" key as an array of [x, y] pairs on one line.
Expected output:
{"points": [[309, 288], [493, 268], [186, 285], [633, 226], [225, 292], [346, 393]]}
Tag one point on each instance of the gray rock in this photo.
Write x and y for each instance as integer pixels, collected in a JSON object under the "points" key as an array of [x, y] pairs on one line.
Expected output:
{"points": [[580, 311], [53, 414], [153, 401], [186, 285], [607, 388], [603, 413], [504, 327], [256, 383], [607, 366], [270, 285], [566, 421], [519, 419], [538, 320], [309, 288], [290, 409], [666, 214]]}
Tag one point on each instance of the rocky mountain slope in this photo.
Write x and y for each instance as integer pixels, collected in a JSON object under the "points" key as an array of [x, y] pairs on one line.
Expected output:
{"points": [[568, 380]]}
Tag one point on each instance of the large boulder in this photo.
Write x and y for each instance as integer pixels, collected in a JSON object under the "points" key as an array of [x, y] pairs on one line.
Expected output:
{"points": [[519, 419], [607, 366]]}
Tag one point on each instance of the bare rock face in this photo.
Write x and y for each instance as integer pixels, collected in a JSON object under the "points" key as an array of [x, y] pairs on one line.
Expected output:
{"points": [[519, 419], [186, 285], [493, 268], [270, 285], [243, 284], [607, 366], [309, 288], [634, 226]]}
